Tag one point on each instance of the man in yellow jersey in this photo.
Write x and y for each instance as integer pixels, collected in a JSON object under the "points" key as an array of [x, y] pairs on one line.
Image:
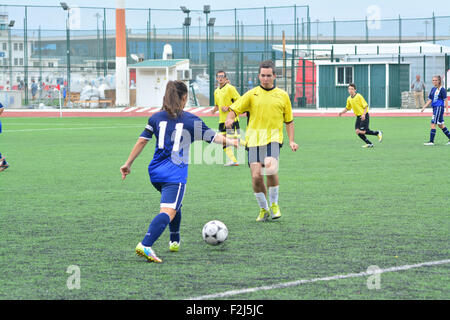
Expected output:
{"points": [[268, 108], [361, 109], [224, 96]]}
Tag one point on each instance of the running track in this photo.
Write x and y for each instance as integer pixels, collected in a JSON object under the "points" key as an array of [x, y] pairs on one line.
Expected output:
{"points": [[199, 111]]}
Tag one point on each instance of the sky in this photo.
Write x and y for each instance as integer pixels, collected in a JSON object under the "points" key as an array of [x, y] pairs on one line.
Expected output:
{"points": [[344, 10], [341, 10]]}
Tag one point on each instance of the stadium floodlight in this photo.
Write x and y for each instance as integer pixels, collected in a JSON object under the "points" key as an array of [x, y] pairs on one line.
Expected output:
{"points": [[206, 9], [184, 9], [64, 5], [187, 22], [211, 22], [11, 23]]}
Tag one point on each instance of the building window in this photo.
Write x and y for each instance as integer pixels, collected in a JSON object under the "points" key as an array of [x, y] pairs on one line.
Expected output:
{"points": [[21, 61], [16, 61], [50, 64], [5, 46], [20, 46], [16, 47], [344, 76]]}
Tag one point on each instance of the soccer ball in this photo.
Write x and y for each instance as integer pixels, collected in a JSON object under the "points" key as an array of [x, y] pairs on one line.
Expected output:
{"points": [[215, 232]]}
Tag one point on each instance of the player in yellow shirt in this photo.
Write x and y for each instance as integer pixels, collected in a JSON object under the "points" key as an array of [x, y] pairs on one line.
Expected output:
{"points": [[268, 108], [224, 96], [361, 110]]}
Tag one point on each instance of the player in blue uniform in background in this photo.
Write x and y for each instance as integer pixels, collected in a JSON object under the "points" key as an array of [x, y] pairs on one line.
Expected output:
{"points": [[3, 164], [174, 130], [438, 100]]}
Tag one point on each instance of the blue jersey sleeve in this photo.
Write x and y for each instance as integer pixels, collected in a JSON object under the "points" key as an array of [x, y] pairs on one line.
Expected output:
{"points": [[148, 130], [202, 131], [431, 95], [444, 93]]}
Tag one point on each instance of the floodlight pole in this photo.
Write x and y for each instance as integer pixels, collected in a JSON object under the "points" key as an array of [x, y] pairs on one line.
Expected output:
{"points": [[25, 51], [67, 8], [97, 65], [186, 25], [206, 11], [210, 27], [11, 24], [187, 38], [207, 35]]}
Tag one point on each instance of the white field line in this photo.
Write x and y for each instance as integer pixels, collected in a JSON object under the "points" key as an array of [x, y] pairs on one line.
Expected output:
{"points": [[81, 128], [300, 282]]}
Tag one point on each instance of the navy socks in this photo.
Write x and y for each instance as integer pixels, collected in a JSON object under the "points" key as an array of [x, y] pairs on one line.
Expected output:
{"points": [[174, 227], [156, 228], [432, 134], [446, 132]]}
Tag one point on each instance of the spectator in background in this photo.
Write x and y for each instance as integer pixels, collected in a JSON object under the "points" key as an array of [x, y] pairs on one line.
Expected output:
{"points": [[3, 164], [418, 88], [250, 83], [34, 89]]}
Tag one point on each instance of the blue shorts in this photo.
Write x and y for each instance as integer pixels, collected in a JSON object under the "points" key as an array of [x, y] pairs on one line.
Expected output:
{"points": [[438, 115], [171, 194], [0, 127]]}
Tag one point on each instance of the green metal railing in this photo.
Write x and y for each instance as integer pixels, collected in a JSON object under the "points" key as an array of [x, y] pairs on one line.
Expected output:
{"points": [[53, 46]]}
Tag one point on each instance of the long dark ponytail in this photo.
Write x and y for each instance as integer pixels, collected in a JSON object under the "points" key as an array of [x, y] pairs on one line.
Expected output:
{"points": [[173, 98]]}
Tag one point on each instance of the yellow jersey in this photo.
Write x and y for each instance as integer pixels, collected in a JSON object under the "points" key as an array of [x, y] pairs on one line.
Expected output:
{"points": [[225, 97], [357, 103], [268, 110]]}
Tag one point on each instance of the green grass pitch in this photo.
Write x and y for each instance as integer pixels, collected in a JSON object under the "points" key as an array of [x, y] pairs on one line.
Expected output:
{"points": [[344, 208]]}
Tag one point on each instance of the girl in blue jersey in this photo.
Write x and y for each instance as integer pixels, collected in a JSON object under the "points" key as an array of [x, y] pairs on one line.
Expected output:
{"points": [[174, 130], [438, 100], [3, 164]]}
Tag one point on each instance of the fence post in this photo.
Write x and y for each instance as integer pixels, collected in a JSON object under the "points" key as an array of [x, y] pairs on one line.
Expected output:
{"points": [[295, 26], [149, 36], [293, 76], [334, 30], [40, 62], [25, 53], [446, 68], [236, 45], [154, 41], [434, 29], [10, 63], [242, 71], [303, 78], [399, 29], [211, 78], [308, 27], [303, 31], [236, 56], [367, 32], [424, 68], [266, 34], [105, 50]]}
